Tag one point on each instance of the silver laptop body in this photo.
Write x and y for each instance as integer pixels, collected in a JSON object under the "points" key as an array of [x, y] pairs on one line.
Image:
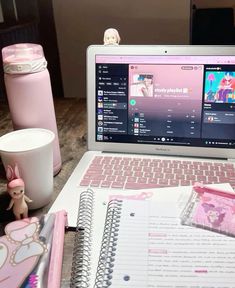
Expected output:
{"points": [[167, 102]]}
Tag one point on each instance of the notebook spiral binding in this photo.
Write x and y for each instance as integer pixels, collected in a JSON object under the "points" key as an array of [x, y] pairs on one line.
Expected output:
{"points": [[82, 241], [108, 246]]}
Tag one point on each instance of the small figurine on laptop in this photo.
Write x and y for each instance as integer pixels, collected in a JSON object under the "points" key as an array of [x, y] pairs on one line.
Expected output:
{"points": [[111, 37], [15, 188]]}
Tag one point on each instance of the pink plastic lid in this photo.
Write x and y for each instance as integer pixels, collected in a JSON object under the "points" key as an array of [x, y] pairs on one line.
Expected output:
{"points": [[22, 53]]}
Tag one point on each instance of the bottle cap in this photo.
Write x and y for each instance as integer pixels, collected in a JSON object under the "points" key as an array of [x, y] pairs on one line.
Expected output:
{"points": [[23, 58]]}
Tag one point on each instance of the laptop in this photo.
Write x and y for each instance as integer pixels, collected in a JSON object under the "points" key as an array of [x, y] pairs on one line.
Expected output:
{"points": [[152, 108]]}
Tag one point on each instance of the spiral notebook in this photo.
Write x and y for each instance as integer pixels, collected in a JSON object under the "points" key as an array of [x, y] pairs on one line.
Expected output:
{"points": [[143, 244]]}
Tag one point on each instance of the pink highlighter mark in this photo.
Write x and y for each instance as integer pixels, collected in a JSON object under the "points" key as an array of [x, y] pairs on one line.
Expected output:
{"points": [[201, 271], [155, 234], [157, 251], [141, 196]]}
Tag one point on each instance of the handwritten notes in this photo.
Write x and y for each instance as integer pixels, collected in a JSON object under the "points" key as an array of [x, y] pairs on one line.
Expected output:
{"points": [[155, 250]]}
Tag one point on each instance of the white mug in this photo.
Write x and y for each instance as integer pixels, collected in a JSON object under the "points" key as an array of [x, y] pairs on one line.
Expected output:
{"points": [[31, 150]]}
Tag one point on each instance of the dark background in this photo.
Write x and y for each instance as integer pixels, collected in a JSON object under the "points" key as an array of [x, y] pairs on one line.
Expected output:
{"points": [[34, 23]]}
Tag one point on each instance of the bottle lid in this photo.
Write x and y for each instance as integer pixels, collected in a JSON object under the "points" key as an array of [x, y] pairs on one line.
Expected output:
{"points": [[23, 58]]}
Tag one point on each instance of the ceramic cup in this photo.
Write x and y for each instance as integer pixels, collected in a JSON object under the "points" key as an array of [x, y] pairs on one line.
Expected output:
{"points": [[32, 151]]}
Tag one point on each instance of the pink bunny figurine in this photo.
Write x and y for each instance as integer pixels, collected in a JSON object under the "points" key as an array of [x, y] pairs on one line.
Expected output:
{"points": [[15, 188]]}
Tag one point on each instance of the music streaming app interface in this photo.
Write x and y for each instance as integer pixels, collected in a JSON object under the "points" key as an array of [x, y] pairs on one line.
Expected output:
{"points": [[183, 102]]}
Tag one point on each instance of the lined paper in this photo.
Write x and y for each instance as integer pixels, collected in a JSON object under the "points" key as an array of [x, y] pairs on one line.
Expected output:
{"points": [[155, 250]]}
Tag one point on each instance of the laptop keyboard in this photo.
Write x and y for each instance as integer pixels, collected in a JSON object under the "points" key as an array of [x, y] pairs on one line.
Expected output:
{"points": [[142, 173]]}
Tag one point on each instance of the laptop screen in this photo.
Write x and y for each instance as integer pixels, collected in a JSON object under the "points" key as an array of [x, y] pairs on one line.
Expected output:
{"points": [[166, 99], [170, 100]]}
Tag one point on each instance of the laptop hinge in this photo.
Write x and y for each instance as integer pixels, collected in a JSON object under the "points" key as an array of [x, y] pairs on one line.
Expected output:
{"points": [[196, 157]]}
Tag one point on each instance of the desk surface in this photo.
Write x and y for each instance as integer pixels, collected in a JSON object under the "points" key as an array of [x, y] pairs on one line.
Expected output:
{"points": [[71, 123]]}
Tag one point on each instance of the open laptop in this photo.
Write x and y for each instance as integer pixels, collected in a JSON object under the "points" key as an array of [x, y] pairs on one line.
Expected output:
{"points": [[155, 107]]}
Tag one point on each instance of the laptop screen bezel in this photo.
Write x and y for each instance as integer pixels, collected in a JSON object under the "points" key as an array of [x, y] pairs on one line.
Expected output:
{"points": [[159, 149]]}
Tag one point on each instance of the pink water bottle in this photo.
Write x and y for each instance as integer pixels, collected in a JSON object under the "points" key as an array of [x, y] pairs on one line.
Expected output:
{"points": [[29, 93]]}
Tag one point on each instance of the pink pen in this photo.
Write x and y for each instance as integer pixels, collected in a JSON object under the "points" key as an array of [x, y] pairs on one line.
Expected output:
{"points": [[54, 275], [200, 188]]}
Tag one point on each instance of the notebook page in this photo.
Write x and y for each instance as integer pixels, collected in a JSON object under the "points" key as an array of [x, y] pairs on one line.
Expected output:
{"points": [[177, 195], [155, 250]]}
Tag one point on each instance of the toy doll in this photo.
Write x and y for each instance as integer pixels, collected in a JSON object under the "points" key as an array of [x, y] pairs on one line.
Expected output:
{"points": [[111, 37], [15, 188]]}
